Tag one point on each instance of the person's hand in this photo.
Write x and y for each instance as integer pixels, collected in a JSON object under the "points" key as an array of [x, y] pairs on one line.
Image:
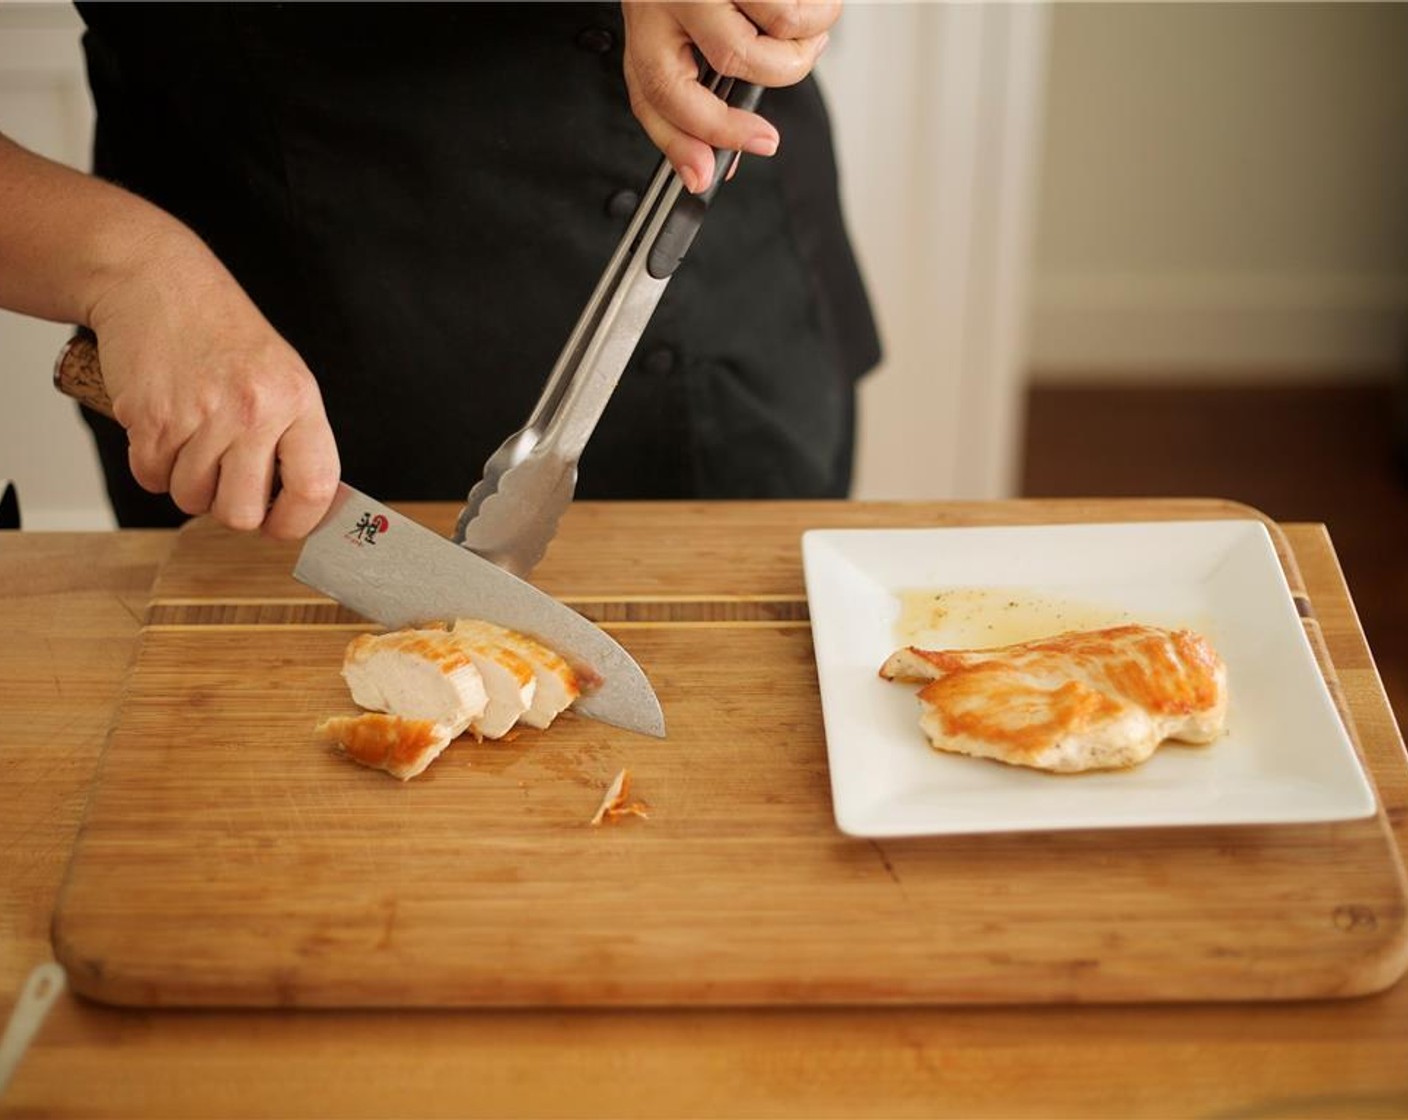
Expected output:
{"points": [[212, 398], [767, 43]]}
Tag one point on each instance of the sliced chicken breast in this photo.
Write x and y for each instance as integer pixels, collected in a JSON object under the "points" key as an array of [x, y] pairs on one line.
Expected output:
{"points": [[401, 747], [1079, 701], [417, 675], [509, 682], [427, 685], [557, 683]]}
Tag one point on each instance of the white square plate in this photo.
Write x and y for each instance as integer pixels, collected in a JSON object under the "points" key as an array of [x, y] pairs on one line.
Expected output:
{"points": [[1285, 757]]}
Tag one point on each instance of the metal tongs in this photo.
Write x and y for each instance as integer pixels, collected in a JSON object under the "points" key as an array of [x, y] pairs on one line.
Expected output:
{"points": [[512, 512]]}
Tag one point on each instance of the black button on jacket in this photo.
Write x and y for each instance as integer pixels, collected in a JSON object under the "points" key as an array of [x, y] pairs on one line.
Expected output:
{"points": [[421, 199]]}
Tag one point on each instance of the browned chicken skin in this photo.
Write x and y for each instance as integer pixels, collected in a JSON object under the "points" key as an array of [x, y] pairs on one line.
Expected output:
{"points": [[401, 747], [1086, 700]]}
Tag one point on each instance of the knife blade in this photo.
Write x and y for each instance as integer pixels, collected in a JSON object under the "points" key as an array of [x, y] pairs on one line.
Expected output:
{"points": [[394, 571]]}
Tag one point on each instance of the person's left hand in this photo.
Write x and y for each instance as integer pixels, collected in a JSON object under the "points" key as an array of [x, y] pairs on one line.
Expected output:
{"points": [[768, 42]]}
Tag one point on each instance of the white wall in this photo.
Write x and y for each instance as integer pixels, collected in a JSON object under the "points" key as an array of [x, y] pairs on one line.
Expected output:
{"points": [[43, 446], [937, 117], [1224, 190]]}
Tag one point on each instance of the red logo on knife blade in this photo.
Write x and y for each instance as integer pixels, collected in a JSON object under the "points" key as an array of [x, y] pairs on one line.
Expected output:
{"points": [[368, 528]]}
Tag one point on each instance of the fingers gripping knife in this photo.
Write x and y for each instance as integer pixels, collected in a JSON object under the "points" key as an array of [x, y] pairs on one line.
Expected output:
{"points": [[388, 568]]}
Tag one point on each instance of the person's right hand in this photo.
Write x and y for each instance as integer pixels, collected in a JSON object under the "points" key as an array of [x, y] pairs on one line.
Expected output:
{"points": [[213, 400]]}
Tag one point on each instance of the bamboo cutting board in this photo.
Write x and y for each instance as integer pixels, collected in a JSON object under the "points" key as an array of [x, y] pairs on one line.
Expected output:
{"points": [[229, 859]]}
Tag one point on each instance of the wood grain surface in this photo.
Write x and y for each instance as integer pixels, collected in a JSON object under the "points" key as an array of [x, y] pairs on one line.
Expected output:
{"points": [[228, 859], [79, 374], [71, 605]]}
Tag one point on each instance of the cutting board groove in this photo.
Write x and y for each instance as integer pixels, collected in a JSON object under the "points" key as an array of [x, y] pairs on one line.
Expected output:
{"points": [[318, 612], [229, 859]]}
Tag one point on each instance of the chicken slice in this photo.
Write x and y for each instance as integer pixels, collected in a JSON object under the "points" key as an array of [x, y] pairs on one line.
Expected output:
{"points": [[508, 679], [401, 747], [557, 682], [1084, 700], [417, 675], [614, 804]]}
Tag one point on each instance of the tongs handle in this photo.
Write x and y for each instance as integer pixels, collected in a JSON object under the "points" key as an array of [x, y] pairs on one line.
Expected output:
{"points": [[667, 222], [512, 511], [682, 225]]}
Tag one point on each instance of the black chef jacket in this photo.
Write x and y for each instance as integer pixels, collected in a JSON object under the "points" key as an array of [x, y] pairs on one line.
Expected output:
{"points": [[421, 199]]}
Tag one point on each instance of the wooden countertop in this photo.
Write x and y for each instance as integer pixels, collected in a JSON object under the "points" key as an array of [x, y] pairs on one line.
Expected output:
{"points": [[71, 605]]}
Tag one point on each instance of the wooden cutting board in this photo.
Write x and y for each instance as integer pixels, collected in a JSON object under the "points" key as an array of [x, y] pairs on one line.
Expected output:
{"points": [[227, 858]]}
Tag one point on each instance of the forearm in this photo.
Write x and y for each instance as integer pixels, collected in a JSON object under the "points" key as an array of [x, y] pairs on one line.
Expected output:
{"points": [[66, 238], [213, 400]]}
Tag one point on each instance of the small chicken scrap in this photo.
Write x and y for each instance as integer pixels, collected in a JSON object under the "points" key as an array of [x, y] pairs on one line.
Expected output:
{"points": [[1084, 700], [427, 686], [614, 804]]}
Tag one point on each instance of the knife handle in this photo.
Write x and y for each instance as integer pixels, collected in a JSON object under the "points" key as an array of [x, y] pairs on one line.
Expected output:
{"points": [[79, 374], [682, 224]]}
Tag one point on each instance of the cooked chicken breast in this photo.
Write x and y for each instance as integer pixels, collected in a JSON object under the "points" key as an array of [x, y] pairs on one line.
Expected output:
{"points": [[428, 685], [401, 747], [417, 675], [557, 683], [1086, 700], [508, 680]]}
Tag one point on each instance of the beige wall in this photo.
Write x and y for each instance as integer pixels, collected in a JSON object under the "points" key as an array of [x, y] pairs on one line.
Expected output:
{"points": [[1224, 188]]}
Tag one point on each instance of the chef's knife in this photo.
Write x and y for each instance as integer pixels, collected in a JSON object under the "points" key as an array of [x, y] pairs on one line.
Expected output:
{"points": [[387, 567], [512, 513], [394, 571]]}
